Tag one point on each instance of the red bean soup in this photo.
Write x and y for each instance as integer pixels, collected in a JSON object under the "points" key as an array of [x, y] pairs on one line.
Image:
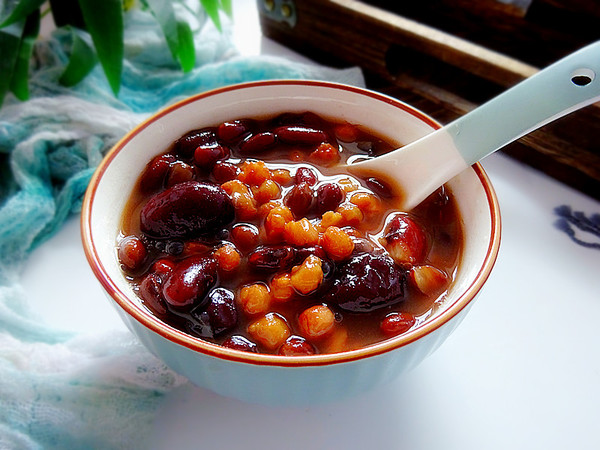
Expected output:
{"points": [[252, 234]]}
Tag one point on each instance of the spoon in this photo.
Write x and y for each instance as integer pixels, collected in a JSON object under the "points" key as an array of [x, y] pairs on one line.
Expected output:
{"points": [[421, 167]]}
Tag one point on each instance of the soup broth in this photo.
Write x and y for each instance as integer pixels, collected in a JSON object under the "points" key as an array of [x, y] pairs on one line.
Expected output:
{"points": [[254, 234]]}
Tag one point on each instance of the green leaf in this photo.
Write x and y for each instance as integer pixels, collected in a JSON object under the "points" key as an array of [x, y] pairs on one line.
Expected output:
{"points": [[165, 15], [104, 22], [212, 9], [226, 6], [177, 33], [187, 51], [10, 41], [19, 81], [21, 10], [81, 61]]}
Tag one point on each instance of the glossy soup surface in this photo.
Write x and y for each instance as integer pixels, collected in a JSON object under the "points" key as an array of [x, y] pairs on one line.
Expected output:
{"points": [[254, 235]]}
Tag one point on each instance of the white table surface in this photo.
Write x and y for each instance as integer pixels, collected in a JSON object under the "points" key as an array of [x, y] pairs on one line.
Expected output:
{"points": [[521, 372]]}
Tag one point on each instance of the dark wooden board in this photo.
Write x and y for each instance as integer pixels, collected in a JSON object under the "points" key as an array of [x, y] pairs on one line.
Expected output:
{"points": [[546, 31], [445, 74]]}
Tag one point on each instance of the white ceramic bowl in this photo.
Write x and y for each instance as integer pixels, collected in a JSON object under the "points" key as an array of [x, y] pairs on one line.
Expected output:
{"points": [[272, 379]]}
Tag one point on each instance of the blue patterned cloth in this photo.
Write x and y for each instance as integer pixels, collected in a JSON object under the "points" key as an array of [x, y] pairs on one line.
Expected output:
{"points": [[59, 389], [583, 229]]}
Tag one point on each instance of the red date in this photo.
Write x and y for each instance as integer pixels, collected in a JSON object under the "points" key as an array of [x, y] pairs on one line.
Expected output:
{"points": [[187, 209], [367, 282]]}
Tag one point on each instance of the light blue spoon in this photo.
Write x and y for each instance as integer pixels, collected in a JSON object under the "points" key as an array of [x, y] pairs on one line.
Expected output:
{"points": [[420, 167]]}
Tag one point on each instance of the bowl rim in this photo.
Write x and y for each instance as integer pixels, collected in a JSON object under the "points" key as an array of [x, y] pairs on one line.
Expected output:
{"points": [[151, 322]]}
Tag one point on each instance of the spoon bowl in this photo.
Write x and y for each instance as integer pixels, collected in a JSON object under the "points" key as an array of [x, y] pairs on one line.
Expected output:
{"points": [[419, 168]]}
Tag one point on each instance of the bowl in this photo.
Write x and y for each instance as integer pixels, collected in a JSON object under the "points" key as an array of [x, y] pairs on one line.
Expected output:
{"points": [[274, 379]]}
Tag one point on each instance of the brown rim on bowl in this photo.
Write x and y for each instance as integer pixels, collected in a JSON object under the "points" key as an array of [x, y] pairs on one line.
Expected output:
{"points": [[140, 314]]}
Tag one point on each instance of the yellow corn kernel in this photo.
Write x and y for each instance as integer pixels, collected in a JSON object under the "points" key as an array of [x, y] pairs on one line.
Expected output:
{"points": [[301, 233], [270, 330], [255, 298], [316, 321], [308, 276]]}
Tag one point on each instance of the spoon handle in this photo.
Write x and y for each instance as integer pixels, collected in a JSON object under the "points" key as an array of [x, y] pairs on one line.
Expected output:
{"points": [[419, 168], [565, 86]]}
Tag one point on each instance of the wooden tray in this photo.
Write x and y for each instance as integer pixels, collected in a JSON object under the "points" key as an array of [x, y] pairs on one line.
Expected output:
{"points": [[445, 57]]}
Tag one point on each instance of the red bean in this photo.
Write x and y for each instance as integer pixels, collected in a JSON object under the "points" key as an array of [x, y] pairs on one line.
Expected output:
{"points": [[296, 346], [300, 199], [272, 257], [233, 131], [329, 197], [311, 120], [304, 252], [300, 135], [305, 175], [132, 252], [179, 172], [245, 236], [163, 267], [155, 173], [224, 171], [405, 240], [190, 281], [379, 187], [206, 156], [221, 310], [151, 293], [258, 143], [306, 119], [187, 145], [397, 323], [237, 342]]}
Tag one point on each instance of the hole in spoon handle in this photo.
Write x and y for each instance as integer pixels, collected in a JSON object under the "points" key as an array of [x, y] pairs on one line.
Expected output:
{"points": [[563, 87], [582, 77]]}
